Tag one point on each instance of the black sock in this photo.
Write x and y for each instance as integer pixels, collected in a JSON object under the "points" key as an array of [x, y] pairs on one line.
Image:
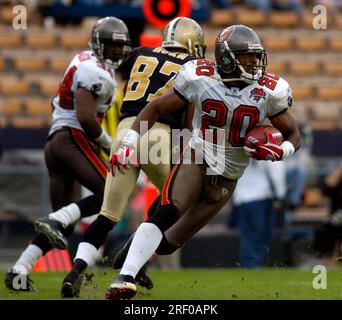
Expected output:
{"points": [[42, 242], [154, 206], [79, 266], [97, 232], [90, 205]]}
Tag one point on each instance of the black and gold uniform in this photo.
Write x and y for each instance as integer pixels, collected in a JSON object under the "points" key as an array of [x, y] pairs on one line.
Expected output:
{"points": [[150, 73]]}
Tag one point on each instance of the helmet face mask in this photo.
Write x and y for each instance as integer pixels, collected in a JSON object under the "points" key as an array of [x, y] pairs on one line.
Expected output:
{"points": [[184, 34], [110, 41], [240, 55]]}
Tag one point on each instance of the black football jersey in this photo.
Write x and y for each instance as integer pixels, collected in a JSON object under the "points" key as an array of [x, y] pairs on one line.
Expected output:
{"points": [[150, 73]]}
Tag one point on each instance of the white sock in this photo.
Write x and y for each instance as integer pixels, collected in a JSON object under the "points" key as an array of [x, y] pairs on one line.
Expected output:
{"points": [[145, 242], [27, 259], [87, 252], [67, 215]]}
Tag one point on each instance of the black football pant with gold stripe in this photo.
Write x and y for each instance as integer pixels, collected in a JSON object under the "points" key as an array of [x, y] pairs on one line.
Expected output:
{"points": [[71, 157]]}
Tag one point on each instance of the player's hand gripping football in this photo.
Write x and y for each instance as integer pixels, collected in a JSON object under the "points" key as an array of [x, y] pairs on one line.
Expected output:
{"points": [[264, 151], [120, 159]]}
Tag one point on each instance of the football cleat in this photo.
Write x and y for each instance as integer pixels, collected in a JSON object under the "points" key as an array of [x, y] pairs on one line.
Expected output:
{"points": [[52, 229], [142, 278], [24, 283], [72, 285], [123, 288]]}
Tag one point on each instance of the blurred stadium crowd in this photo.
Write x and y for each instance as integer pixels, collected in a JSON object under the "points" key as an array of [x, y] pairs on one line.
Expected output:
{"points": [[32, 61]]}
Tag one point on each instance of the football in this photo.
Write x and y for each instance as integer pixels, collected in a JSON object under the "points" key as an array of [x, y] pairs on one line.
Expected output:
{"points": [[265, 134]]}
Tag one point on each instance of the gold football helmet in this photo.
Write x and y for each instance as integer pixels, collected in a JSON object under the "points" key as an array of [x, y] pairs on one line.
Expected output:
{"points": [[184, 33]]}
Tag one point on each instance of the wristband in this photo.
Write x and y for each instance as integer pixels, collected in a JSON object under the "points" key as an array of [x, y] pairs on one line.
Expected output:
{"points": [[287, 148], [131, 138], [104, 140]]}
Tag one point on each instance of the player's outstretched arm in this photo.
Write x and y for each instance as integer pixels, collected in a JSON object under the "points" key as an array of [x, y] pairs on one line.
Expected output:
{"points": [[163, 105]]}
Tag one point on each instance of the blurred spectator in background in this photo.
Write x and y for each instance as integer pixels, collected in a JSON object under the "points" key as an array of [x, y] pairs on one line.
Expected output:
{"points": [[266, 5], [262, 185], [329, 236]]}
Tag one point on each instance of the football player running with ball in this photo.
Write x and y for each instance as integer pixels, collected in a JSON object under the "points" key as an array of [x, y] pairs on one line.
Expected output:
{"points": [[230, 98], [150, 73]]}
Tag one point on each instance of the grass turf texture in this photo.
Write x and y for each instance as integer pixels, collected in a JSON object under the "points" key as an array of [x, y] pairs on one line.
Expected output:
{"points": [[201, 284]]}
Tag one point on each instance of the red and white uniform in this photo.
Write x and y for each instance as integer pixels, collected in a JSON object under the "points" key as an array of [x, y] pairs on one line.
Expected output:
{"points": [[85, 71], [231, 110]]}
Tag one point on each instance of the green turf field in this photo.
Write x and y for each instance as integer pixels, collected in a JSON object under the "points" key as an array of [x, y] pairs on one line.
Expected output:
{"points": [[204, 284]]}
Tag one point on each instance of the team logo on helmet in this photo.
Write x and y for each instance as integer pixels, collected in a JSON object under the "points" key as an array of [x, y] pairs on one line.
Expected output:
{"points": [[225, 35], [257, 94]]}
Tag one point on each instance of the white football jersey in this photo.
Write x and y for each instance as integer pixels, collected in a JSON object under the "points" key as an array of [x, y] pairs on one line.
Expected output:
{"points": [[85, 71], [231, 111]]}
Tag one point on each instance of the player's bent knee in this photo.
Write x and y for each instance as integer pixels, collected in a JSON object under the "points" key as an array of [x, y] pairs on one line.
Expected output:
{"points": [[165, 247], [165, 217]]}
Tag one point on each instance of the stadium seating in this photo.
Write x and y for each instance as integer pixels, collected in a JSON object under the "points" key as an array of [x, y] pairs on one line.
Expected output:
{"points": [[277, 67], [40, 40], [338, 20], [307, 58], [28, 64], [332, 68], [6, 14], [14, 87], [10, 39], [302, 92], [311, 44], [329, 93], [11, 107], [277, 44], [48, 88], [59, 64], [77, 41], [28, 122], [302, 68], [38, 107], [336, 44], [284, 19], [251, 17], [2, 64]]}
